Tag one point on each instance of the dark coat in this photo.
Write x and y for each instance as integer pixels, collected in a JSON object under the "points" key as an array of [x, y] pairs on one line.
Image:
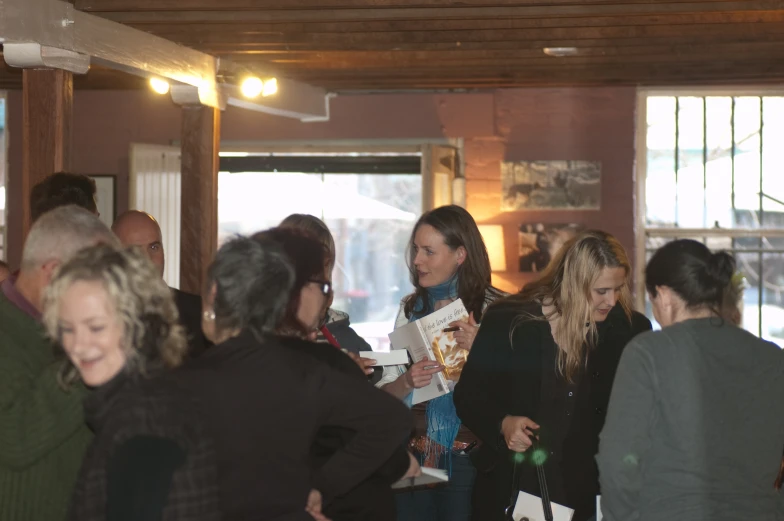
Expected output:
{"points": [[339, 325], [151, 457], [501, 379], [189, 308], [265, 404], [373, 499]]}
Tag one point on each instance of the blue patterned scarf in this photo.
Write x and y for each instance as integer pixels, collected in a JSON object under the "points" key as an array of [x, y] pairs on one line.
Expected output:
{"points": [[442, 421]]}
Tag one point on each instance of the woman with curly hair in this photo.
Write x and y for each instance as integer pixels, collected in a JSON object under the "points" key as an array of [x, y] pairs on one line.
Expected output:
{"points": [[117, 325]]}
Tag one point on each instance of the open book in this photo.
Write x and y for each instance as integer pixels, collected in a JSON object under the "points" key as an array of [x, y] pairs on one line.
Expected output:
{"points": [[429, 477], [426, 338]]}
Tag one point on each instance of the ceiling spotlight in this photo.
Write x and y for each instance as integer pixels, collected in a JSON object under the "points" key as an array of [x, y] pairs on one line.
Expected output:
{"points": [[160, 86], [560, 51], [251, 87], [270, 87]]}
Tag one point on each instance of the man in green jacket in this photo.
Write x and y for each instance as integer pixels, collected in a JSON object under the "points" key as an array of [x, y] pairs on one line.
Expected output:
{"points": [[42, 431]]}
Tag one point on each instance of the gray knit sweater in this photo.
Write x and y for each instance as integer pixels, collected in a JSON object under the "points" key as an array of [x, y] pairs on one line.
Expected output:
{"points": [[695, 427]]}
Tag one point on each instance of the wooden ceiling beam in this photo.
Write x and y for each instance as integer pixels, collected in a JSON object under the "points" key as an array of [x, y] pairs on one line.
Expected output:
{"points": [[630, 70], [226, 15], [256, 52], [416, 39], [55, 24], [495, 64], [252, 30], [362, 59], [251, 5]]}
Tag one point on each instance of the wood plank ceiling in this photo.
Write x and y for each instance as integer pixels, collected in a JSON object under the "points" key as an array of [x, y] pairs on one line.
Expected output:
{"points": [[447, 44]]}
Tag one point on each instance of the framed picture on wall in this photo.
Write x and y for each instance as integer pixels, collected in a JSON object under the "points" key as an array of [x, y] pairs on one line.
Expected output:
{"points": [[551, 185], [539, 242], [106, 197]]}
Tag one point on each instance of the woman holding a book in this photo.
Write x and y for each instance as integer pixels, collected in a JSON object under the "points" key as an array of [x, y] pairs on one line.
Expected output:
{"points": [[540, 372], [448, 261]]}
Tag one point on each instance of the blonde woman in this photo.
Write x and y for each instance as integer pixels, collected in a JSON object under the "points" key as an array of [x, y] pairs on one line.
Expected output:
{"points": [[542, 365], [117, 324]]}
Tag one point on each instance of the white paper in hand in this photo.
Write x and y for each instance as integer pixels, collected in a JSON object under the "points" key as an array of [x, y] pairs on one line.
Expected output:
{"points": [[529, 507], [429, 477], [393, 357]]}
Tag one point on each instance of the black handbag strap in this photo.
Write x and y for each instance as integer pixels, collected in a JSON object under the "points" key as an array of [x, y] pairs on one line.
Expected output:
{"points": [[544, 492], [547, 388]]}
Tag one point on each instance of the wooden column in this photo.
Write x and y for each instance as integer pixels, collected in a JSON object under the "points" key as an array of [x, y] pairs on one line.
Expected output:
{"points": [[47, 114], [199, 214]]}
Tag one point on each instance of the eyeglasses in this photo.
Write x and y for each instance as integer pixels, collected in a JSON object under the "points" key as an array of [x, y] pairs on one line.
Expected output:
{"points": [[326, 286]]}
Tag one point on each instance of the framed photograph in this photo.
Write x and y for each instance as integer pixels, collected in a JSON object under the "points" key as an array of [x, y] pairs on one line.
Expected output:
{"points": [[538, 243], [551, 185], [106, 197]]}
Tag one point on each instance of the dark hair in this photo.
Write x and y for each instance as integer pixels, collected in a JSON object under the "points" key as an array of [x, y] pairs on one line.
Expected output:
{"points": [[458, 228], [689, 268], [308, 257], [252, 279], [313, 226], [62, 189]]}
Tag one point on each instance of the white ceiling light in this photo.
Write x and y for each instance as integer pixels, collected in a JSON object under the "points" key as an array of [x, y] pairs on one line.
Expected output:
{"points": [[560, 51]]}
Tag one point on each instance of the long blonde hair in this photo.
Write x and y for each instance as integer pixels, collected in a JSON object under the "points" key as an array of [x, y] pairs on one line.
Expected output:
{"points": [[566, 285]]}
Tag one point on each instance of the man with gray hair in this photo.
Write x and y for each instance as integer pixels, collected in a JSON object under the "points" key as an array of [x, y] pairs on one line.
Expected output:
{"points": [[42, 432]]}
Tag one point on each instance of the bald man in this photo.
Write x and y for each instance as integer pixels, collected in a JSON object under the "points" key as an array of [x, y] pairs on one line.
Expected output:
{"points": [[135, 228]]}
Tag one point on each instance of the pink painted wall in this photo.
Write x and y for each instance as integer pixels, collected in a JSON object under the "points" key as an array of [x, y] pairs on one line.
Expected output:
{"points": [[521, 124]]}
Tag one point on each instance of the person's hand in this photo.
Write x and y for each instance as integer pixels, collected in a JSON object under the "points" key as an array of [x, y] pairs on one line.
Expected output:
{"points": [[518, 431], [414, 469], [313, 506], [467, 332], [366, 364], [421, 373]]}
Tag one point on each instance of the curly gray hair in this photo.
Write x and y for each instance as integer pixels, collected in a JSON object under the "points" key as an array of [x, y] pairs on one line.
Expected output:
{"points": [[152, 337]]}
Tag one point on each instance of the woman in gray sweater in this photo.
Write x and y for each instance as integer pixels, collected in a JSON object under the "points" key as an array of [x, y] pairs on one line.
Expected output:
{"points": [[695, 425]]}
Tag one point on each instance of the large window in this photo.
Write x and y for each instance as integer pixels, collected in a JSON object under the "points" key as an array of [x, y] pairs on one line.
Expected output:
{"points": [[370, 215], [713, 172]]}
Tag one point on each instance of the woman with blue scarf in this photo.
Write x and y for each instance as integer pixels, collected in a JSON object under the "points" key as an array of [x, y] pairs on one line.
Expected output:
{"points": [[448, 260]]}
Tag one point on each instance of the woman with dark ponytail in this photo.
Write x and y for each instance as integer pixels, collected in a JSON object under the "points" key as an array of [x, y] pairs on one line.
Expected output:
{"points": [[695, 425]]}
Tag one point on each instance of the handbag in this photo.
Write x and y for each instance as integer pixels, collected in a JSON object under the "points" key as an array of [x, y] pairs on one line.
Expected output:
{"points": [[544, 493]]}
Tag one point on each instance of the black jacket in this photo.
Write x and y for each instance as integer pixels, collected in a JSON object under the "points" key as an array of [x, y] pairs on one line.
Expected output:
{"points": [[265, 404], [189, 308], [520, 379], [151, 457], [373, 499], [339, 325]]}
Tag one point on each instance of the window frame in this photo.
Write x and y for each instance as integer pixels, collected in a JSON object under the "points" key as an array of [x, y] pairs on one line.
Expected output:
{"points": [[642, 232]]}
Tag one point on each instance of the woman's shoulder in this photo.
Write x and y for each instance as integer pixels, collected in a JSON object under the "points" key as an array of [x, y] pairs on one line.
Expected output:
{"points": [[507, 313], [640, 323], [157, 406], [635, 322], [400, 318], [322, 352], [493, 294]]}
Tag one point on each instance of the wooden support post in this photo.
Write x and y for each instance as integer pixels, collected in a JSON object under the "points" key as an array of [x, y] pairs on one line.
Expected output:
{"points": [[47, 113], [199, 214]]}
